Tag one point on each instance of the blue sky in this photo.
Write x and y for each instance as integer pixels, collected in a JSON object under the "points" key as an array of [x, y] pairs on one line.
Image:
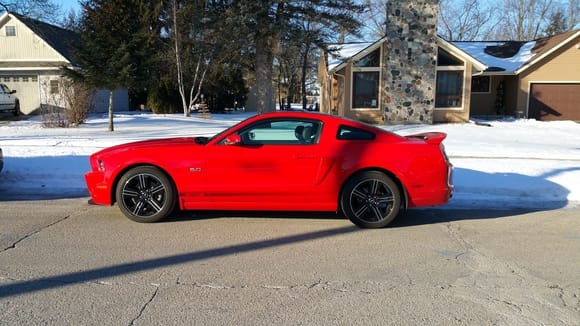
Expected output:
{"points": [[67, 5]]}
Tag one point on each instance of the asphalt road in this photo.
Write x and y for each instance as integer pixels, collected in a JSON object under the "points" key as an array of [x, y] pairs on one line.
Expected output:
{"points": [[64, 262]]}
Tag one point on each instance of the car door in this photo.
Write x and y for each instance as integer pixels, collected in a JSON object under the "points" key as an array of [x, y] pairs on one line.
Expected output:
{"points": [[274, 166], [4, 96]]}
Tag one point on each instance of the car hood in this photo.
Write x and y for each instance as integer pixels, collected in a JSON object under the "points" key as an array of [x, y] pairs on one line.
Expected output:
{"points": [[144, 144]]}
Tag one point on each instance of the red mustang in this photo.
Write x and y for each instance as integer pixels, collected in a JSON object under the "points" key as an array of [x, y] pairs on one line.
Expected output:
{"points": [[290, 161]]}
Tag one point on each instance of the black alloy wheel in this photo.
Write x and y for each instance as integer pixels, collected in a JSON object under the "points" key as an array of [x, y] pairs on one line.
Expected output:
{"points": [[145, 194], [371, 199]]}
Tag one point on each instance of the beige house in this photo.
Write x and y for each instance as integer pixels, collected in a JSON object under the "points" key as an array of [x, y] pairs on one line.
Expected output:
{"points": [[538, 79], [32, 54]]}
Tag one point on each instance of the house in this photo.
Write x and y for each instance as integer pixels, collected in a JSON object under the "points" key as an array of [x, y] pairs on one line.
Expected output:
{"points": [[396, 80], [32, 55]]}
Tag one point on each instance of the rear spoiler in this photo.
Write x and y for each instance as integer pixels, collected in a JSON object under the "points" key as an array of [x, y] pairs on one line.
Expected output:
{"points": [[433, 138]]}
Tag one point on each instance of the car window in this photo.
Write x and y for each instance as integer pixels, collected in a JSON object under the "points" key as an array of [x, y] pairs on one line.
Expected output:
{"points": [[4, 89], [353, 133], [282, 132]]}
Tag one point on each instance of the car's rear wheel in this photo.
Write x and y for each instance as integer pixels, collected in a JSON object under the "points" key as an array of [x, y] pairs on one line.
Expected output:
{"points": [[371, 199], [145, 194]]}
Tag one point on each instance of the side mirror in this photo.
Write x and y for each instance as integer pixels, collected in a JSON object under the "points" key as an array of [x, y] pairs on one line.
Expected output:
{"points": [[234, 139], [13, 91]]}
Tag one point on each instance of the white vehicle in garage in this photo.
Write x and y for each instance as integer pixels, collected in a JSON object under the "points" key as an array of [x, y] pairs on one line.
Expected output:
{"points": [[9, 101]]}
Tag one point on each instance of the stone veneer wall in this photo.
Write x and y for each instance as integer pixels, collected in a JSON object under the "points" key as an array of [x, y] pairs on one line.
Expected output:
{"points": [[410, 57]]}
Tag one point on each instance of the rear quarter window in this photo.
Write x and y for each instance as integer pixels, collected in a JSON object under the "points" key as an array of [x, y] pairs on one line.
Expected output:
{"points": [[353, 133]]}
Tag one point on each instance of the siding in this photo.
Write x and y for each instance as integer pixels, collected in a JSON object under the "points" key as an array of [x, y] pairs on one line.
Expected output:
{"points": [[25, 47], [561, 66]]}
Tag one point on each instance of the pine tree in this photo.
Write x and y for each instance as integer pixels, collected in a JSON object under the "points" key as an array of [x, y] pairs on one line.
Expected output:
{"points": [[118, 45]]}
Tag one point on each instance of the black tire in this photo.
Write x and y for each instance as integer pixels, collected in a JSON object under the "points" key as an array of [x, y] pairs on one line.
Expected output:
{"points": [[145, 194], [371, 199], [16, 109]]}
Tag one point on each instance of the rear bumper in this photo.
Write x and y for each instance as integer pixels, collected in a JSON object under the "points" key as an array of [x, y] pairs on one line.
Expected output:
{"points": [[99, 190]]}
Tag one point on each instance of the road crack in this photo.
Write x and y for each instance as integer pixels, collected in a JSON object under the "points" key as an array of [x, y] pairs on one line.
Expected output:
{"points": [[144, 307], [33, 233]]}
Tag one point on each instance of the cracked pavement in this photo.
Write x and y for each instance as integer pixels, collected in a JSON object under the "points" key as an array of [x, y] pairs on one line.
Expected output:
{"points": [[65, 262]]}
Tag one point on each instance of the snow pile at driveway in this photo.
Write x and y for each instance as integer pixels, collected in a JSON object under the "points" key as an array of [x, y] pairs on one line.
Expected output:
{"points": [[510, 164]]}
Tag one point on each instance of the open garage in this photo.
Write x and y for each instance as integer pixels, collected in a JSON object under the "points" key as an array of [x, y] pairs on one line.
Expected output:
{"points": [[27, 90]]}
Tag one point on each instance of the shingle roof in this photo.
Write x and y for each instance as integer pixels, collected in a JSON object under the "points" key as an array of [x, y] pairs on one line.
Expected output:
{"points": [[60, 39], [505, 57]]}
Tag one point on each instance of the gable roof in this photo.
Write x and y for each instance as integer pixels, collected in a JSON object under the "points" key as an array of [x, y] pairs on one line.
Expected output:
{"points": [[60, 39], [343, 53], [489, 57], [548, 45]]}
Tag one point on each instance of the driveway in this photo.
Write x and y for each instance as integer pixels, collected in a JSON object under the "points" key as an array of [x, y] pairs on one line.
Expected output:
{"points": [[65, 262]]}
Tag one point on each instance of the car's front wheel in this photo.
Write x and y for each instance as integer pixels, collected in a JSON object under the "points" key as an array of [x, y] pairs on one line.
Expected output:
{"points": [[145, 194], [371, 199], [17, 109]]}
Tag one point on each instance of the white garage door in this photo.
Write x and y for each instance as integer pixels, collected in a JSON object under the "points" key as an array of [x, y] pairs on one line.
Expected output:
{"points": [[27, 90]]}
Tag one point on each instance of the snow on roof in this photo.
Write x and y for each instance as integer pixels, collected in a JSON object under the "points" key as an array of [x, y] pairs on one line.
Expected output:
{"points": [[342, 52], [478, 51]]}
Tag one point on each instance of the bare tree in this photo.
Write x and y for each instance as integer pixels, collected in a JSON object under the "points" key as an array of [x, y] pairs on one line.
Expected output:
{"points": [[185, 55], [35, 9], [375, 16], [463, 20], [524, 19], [573, 11]]}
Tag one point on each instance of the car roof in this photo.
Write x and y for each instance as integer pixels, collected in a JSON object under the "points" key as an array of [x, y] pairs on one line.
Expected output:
{"points": [[321, 116]]}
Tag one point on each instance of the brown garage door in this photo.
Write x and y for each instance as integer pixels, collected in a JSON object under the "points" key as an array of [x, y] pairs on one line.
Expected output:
{"points": [[554, 102]]}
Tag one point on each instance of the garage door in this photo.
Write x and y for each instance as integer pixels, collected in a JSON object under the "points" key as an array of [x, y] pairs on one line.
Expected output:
{"points": [[554, 102], [27, 90]]}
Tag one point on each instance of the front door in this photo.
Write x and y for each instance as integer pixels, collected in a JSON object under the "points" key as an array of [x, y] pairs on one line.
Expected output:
{"points": [[273, 167]]}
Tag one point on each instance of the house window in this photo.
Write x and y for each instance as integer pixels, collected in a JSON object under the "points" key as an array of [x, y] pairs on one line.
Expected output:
{"points": [[365, 89], [54, 87], [366, 80], [10, 30], [450, 79], [445, 59], [373, 59], [449, 89], [480, 84]]}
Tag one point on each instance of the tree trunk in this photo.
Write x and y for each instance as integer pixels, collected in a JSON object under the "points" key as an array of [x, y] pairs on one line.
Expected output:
{"points": [[264, 74], [304, 71], [111, 110], [177, 47]]}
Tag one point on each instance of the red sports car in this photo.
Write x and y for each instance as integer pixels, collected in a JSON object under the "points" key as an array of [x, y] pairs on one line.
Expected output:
{"points": [[281, 161]]}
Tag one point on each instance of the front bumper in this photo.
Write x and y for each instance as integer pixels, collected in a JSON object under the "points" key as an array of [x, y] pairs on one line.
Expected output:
{"points": [[99, 190]]}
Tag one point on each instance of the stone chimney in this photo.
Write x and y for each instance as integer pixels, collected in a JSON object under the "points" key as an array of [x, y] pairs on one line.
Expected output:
{"points": [[410, 57]]}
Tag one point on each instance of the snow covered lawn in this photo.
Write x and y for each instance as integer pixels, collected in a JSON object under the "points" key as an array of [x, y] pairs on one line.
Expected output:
{"points": [[511, 164]]}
